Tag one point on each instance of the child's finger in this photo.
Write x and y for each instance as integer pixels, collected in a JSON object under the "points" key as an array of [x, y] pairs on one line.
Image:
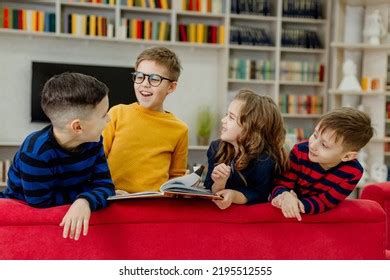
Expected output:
{"points": [[78, 229], [72, 229], [86, 226], [298, 216], [65, 232], [301, 207]]}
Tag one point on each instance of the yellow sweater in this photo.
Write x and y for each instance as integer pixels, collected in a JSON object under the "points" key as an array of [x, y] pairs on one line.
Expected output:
{"points": [[144, 148]]}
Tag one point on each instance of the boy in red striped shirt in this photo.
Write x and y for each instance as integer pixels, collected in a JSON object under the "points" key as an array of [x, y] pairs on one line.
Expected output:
{"points": [[324, 170]]}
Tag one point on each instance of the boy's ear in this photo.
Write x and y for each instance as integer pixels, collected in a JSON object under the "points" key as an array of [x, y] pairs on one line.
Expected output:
{"points": [[172, 87], [349, 156], [75, 126]]}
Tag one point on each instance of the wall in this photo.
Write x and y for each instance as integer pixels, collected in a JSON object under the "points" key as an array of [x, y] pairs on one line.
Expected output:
{"points": [[198, 84]]}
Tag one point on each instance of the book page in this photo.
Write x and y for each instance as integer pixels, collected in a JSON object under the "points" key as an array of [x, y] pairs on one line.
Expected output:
{"points": [[135, 195], [187, 180], [184, 194]]}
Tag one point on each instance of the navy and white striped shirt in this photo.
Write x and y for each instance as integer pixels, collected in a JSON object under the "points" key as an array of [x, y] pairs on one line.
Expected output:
{"points": [[44, 174], [318, 189]]}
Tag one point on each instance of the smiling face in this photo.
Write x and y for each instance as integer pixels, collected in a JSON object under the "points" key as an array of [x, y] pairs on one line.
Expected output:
{"points": [[324, 149], [231, 128], [148, 96]]}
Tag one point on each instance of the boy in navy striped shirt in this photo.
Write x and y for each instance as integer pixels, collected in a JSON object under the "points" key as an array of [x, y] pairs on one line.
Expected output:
{"points": [[64, 162], [324, 170]]}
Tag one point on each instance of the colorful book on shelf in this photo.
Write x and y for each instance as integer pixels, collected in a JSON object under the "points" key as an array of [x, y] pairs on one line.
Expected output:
{"points": [[1, 17], [184, 186], [164, 4]]}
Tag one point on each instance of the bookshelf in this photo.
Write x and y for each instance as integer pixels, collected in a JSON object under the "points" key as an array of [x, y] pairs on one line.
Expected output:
{"points": [[273, 69], [372, 62], [221, 22]]}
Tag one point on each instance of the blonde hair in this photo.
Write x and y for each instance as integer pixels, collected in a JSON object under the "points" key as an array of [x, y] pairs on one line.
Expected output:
{"points": [[262, 132], [350, 125], [164, 57]]}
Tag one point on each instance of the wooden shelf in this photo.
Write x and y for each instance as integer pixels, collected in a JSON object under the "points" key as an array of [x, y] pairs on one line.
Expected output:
{"points": [[360, 46], [253, 17], [252, 48], [89, 5], [301, 83], [359, 93], [198, 148], [363, 2], [302, 50], [381, 140], [200, 14], [302, 116], [10, 144], [303, 20], [146, 10], [260, 82]]}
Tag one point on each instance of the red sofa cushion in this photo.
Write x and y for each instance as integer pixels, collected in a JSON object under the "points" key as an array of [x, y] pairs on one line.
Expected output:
{"points": [[194, 229]]}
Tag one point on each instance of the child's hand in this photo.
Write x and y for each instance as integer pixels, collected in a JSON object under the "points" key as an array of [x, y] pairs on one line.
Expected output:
{"points": [[228, 196], [76, 218], [277, 201], [291, 206], [220, 176]]}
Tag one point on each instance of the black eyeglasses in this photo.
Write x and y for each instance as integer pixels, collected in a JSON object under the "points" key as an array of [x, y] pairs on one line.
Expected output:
{"points": [[154, 79]]}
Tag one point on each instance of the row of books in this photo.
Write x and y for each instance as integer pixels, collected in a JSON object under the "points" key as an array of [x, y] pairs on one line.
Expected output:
{"points": [[300, 104], [298, 38], [144, 29], [249, 69], [29, 20], [246, 35], [201, 33], [4, 167], [204, 6], [152, 4], [295, 135], [303, 71], [302, 8], [388, 110], [251, 7], [107, 2], [88, 25]]}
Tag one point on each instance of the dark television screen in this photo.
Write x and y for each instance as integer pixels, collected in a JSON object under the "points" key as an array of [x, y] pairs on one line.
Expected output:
{"points": [[117, 79]]}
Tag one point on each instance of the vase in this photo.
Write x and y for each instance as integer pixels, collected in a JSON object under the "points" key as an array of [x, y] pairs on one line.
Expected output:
{"points": [[203, 140]]}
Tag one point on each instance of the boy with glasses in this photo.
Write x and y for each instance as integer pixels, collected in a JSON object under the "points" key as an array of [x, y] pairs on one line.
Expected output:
{"points": [[145, 145]]}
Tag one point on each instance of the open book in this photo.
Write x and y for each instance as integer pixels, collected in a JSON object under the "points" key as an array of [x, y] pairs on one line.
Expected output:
{"points": [[184, 186]]}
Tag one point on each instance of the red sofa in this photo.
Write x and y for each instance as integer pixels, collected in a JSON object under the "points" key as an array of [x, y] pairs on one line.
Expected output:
{"points": [[194, 229], [380, 192]]}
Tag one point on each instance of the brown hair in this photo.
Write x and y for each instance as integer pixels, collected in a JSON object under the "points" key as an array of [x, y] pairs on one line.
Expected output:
{"points": [[164, 57], [70, 92], [351, 126], [262, 132]]}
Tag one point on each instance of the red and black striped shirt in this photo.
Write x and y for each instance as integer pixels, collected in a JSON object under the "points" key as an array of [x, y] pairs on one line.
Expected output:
{"points": [[317, 188]]}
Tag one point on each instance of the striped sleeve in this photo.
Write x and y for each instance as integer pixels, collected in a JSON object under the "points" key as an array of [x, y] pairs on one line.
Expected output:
{"points": [[101, 184], [36, 181], [286, 181], [339, 185]]}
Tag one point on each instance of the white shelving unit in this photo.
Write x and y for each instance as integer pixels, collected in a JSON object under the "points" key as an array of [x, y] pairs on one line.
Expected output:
{"points": [[275, 86], [371, 61], [226, 87]]}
